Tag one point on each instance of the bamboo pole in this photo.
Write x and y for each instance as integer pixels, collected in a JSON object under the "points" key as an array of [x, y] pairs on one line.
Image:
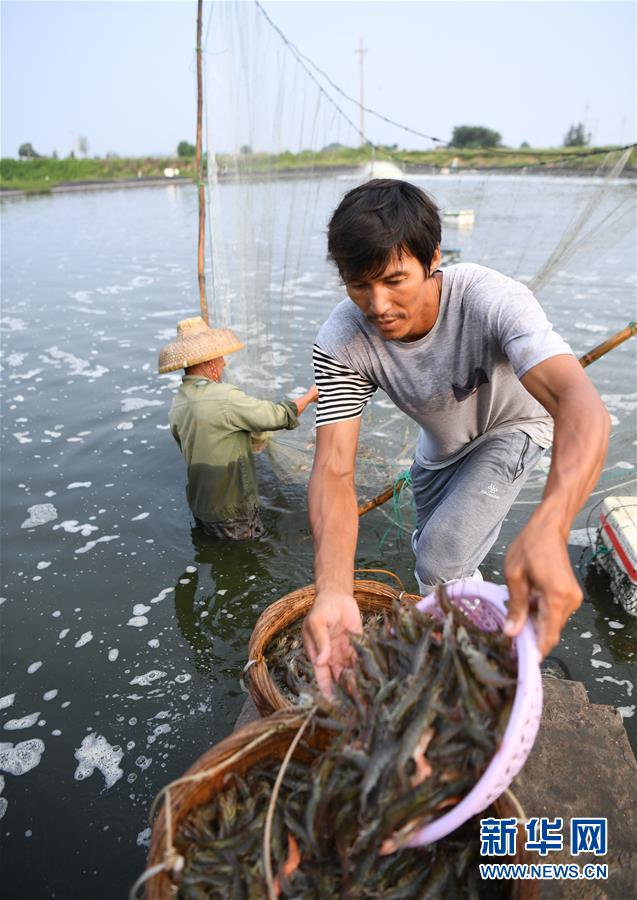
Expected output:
{"points": [[584, 361], [608, 345], [203, 302]]}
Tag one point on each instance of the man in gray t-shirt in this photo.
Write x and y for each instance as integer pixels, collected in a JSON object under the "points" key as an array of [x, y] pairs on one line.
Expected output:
{"points": [[470, 356]]}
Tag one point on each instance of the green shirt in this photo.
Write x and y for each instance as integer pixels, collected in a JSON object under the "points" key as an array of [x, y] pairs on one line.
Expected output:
{"points": [[212, 423]]}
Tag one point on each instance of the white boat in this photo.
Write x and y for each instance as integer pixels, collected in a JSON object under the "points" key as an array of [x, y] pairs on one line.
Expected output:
{"points": [[382, 168], [616, 548], [460, 217]]}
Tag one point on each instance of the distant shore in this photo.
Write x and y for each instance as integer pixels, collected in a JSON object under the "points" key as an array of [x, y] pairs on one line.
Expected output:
{"points": [[44, 175]]}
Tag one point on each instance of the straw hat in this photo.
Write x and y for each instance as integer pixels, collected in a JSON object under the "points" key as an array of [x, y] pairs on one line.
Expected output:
{"points": [[196, 343]]}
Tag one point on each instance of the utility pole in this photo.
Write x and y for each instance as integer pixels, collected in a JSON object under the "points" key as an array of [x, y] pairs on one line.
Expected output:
{"points": [[361, 53]]}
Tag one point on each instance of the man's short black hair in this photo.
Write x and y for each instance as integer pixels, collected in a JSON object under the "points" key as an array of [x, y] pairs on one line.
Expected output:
{"points": [[378, 220]]}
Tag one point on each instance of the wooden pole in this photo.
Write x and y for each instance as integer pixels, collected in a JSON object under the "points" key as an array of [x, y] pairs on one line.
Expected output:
{"points": [[203, 302], [585, 360], [608, 345]]}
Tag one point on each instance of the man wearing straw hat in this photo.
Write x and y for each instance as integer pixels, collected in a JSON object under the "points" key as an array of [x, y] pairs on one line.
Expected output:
{"points": [[213, 424], [470, 356]]}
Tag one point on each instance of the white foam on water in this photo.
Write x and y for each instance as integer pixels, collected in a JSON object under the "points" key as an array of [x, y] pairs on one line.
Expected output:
{"points": [[182, 679], [97, 753], [24, 722], [8, 323], [137, 621], [40, 514], [76, 365], [72, 526], [50, 493], [125, 426], [143, 762], [625, 683], [169, 314], [63, 633], [24, 376], [113, 654], [154, 643], [143, 838], [50, 695], [104, 539], [43, 565], [80, 296], [53, 434], [34, 667], [596, 649], [600, 664], [191, 569], [159, 730], [56, 732], [21, 758], [626, 402], [615, 625], [56, 614], [595, 329], [84, 639], [163, 593], [162, 427], [16, 359], [133, 403], [148, 678], [140, 517], [222, 592], [7, 701], [78, 484], [586, 634], [139, 609], [626, 712]]}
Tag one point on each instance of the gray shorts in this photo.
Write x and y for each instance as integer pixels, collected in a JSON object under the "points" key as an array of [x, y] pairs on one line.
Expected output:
{"points": [[460, 509]]}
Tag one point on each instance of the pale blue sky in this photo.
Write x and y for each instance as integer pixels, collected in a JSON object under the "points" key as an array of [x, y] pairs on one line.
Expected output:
{"points": [[122, 73]]}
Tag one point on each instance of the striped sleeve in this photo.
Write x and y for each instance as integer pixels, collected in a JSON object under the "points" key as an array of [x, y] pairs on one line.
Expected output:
{"points": [[343, 393]]}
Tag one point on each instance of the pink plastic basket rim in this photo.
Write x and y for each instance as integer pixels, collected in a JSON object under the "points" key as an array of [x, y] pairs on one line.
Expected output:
{"points": [[529, 683]]}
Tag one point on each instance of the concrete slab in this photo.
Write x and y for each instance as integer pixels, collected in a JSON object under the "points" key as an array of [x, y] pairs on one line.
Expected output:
{"points": [[582, 765]]}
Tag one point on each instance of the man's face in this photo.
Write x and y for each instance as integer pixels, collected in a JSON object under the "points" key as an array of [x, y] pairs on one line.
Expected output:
{"points": [[399, 301]]}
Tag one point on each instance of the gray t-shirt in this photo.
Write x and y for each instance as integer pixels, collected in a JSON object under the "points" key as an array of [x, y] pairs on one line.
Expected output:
{"points": [[460, 382]]}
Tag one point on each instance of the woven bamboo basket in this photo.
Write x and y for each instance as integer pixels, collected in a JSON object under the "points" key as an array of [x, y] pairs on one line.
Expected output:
{"points": [[260, 740], [263, 739], [371, 596]]}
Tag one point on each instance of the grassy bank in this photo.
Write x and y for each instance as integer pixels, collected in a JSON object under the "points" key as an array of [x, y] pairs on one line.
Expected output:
{"points": [[40, 175]]}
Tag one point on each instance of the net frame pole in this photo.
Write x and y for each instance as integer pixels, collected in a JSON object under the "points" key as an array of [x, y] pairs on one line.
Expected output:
{"points": [[203, 301]]}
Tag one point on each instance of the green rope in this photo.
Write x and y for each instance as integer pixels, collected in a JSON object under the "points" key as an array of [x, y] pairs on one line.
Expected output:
{"points": [[402, 481]]}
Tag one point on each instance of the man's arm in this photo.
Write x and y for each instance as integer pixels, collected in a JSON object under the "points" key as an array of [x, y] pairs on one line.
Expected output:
{"points": [[334, 521], [537, 568]]}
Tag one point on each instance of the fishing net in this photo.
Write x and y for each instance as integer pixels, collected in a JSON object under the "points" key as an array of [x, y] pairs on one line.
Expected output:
{"points": [[269, 110]]}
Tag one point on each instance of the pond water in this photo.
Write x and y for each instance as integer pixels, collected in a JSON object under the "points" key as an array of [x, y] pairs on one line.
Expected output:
{"points": [[124, 630]]}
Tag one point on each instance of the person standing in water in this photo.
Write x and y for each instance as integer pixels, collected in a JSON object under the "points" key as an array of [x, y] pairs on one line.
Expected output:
{"points": [[214, 423]]}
